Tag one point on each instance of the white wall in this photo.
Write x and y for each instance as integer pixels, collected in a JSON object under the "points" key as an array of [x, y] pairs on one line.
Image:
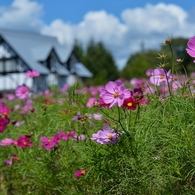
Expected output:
{"points": [[11, 81]]}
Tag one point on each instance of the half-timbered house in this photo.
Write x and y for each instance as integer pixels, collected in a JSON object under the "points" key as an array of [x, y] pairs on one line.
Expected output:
{"points": [[22, 51]]}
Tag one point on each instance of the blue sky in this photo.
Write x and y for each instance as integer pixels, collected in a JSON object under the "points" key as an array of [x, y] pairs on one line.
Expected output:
{"points": [[122, 25], [73, 10]]}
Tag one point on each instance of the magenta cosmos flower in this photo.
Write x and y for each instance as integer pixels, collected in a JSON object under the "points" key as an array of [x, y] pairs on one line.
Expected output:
{"points": [[32, 73], [91, 102], [22, 91], [114, 93], [4, 110], [65, 136], [80, 173], [160, 76], [191, 47], [4, 121], [24, 141], [105, 136], [49, 143]]}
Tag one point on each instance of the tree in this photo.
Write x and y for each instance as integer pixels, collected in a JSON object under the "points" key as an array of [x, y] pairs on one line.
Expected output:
{"points": [[99, 61], [138, 63], [179, 46], [78, 49]]}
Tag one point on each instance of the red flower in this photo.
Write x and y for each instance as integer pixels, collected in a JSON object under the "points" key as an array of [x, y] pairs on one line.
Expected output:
{"points": [[130, 103]]}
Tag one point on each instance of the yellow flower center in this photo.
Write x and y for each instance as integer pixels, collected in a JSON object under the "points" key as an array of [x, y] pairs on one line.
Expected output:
{"points": [[110, 136], [129, 104], [162, 76], [115, 94], [83, 172]]}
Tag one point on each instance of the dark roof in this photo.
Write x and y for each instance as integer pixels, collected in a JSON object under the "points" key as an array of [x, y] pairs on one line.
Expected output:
{"points": [[34, 47], [81, 70]]}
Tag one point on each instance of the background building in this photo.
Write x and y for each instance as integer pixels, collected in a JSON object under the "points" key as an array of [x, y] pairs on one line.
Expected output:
{"points": [[22, 51]]}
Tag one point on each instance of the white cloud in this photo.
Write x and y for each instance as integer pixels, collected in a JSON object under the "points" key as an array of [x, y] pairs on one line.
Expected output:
{"points": [[150, 25], [122, 36], [64, 32], [22, 14], [155, 18]]}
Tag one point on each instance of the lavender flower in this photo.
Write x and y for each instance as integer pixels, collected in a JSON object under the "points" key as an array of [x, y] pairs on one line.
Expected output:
{"points": [[105, 136]]}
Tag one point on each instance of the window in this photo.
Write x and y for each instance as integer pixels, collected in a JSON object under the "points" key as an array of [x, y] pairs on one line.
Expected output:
{"points": [[10, 65]]}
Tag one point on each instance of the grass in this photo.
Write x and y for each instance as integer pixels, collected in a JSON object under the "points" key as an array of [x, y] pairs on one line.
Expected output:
{"points": [[155, 154]]}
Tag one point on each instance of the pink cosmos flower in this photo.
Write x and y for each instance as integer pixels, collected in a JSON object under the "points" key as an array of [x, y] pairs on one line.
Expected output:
{"points": [[91, 102], [24, 141], [27, 107], [49, 143], [80, 173], [160, 76], [72, 133], [64, 88], [14, 158], [17, 106], [8, 162], [114, 93], [32, 74], [149, 72], [6, 142], [105, 136], [22, 91], [93, 90], [191, 47], [47, 92], [135, 82], [10, 97], [176, 85], [63, 135]]}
